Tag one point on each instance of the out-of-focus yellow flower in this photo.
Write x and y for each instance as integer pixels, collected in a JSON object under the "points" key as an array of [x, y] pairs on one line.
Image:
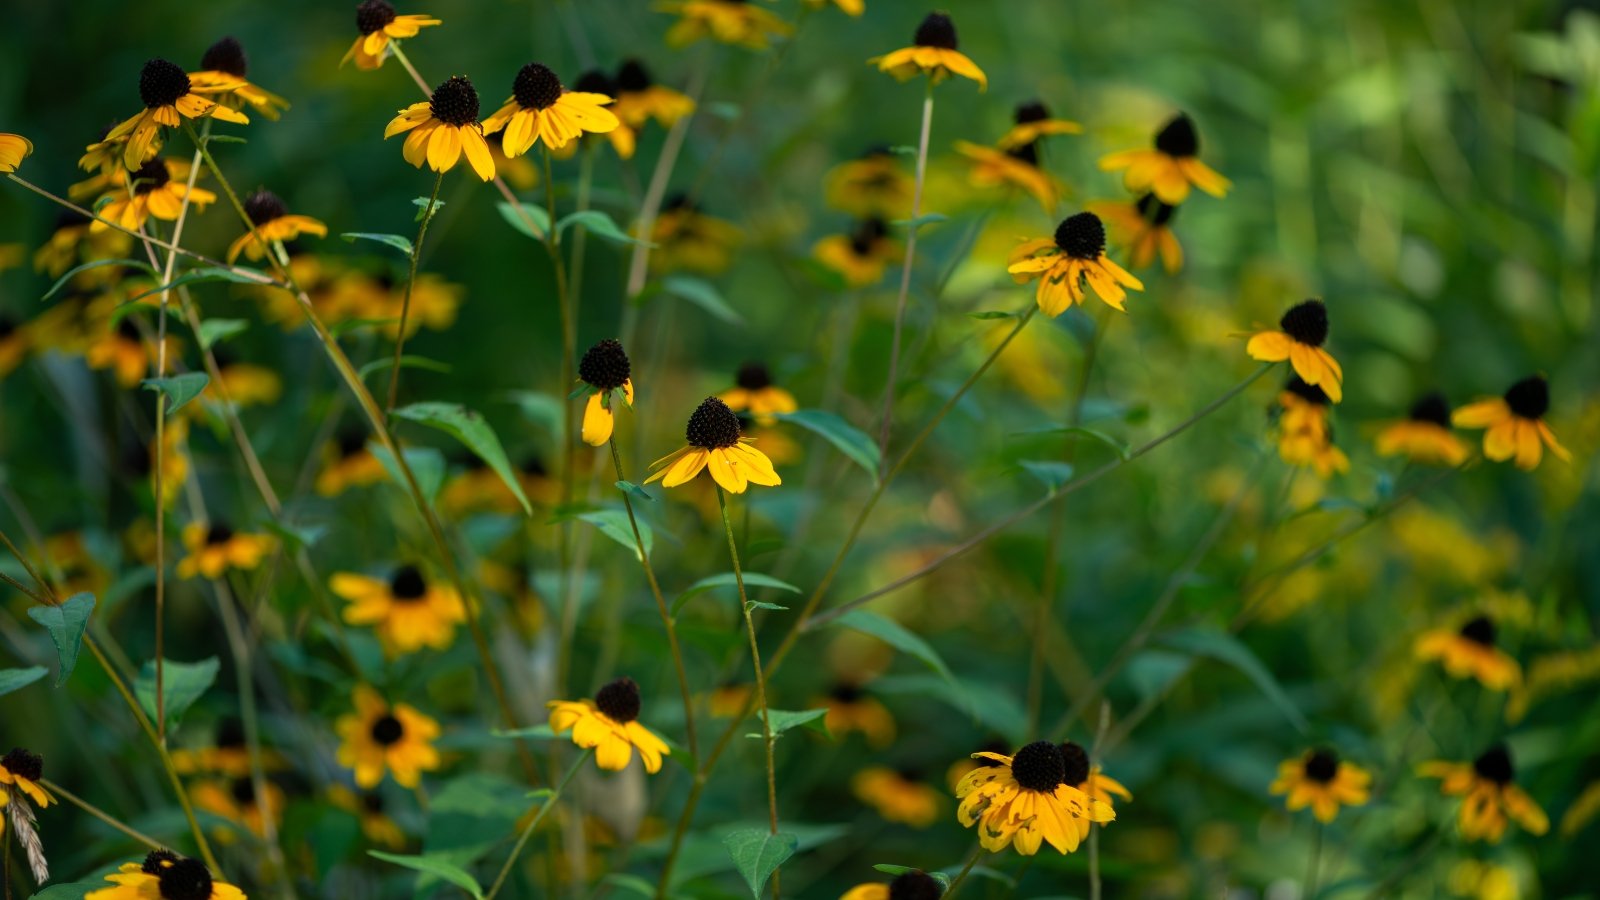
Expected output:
{"points": [[1491, 797], [1321, 780], [610, 724], [378, 24], [1170, 167], [898, 796], [215, 549], [1471, 653], [1514, 423], [737, 22], [932, 51]]}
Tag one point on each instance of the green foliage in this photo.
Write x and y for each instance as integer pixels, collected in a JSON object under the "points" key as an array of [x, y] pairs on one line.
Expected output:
{"points": [[66, 624]]}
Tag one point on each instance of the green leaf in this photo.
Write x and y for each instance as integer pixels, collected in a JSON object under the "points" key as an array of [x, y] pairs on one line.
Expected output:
{"points": [[628, 487], [992, 314], [727, 579], [406, 362], [1119, 447], [887, 869], [65, 624], [225, 139], [349, 325], [296, 535], [897, 636], [426, 463], [613, 523], [203, 274], [182, 684], [16, 679], [812, 719], [77, 890], [537, 732], [425, 209], [759, 604], [542, 410], [630, 883], [757, 854], [214, 330], [702, 294], [1053, 474], [435, 866], [1224, 647], [600, 225], [848, 439], [73, 272], [541, 219], [397, 241], [180, 389], [469, 428], [924, 219]]}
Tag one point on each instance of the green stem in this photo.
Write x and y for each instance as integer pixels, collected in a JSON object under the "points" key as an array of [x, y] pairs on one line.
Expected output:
{"points": [[905, 269], [1316, 862], [955, 883], [527, 832], [411, 281]]}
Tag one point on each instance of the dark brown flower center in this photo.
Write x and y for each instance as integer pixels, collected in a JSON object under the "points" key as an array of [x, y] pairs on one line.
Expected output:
{"points": [[914, 886], [243, 791], [1032, 111], [407, 584], [153, 174], [936, 31], [1432, 408], [536, 87], [1308, 392], [1179, 138], [372, 802], [184, 879], [230, 733], [1529, 398], [618, 700], [455, 102], [23, 764], [156, 860], [372, 15], [218, 533], [387, 731], [226, 55], [1322, 766], [844, 692], [1154, 211], [263, 206], [1082, 236], [351, 443], [753, 376], [595, 81], [605, 366], [1076, 761], [1028, 153], [161, 83], [1039, 767], [633, 77], [1495, 765], [867, 234], [1306, 323], [712, 425], [1480, 631]]}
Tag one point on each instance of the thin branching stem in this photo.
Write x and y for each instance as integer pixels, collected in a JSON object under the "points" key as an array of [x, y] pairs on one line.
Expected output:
{"points": [[411, 283]]}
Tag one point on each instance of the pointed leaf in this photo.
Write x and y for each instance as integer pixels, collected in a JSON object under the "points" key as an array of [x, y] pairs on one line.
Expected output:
{"points": [[600, 225], [180, 389], [727, 579], [397, 241], [848, 439], [897, 636], [541, 219], [66, 624], [435, 866], [757, 854], [406, 362], [181, 683], [73, 273], [469, 428], [1224, 647], [425, 208], [206, 273], [14, 679], [613, 523], [702, 294]]}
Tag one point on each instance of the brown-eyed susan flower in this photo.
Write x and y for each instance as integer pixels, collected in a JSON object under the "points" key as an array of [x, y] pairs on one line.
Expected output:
{"points": [[852, 709], [1321, 780], [159, 190], [716, 442], [872, 186], [228, 754], [913, 885], [407, 612], [541, 108], [1470, 652], [1424, 435], [1302, 331], [1087, 777], [1170, 167], [640, 98], [123, 350], [368, 808], [164, 875], [14, 148], [932, 51], [848, 7], [898, 796], [1515, 424], [1017, 167], [378, 738], [689, 240], [347, 463], [861, 257], [237, 801], [610, 724], [1075, 256], [169, 98], [1144, 227], [225, 66], [443, 129], [216, 548], [1304, 436], [606, 370], [738, 22], [1492, 798], [1032, 122], [273, 223], [754, 393], [21, 770], [1025, 801], [378, 24]]}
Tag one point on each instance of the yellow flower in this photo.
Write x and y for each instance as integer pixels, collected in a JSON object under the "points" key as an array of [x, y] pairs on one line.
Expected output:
{"points": [[368, 809], [851, 709], [378, 24], [716, 442], [1483, 881], [71, 242], [1025, 801], [169, 98], [228, 754], [159, 188], [273, 224], [1471, 653], [14, 344], [434, 302], [1170, 167], [849, 7], [640, 99], [245, 384], [610, 724], [540, 107], [914, 885], [1582, 811], [443, 129], [1082, 774], [224, 66], [737, 22], [1033, 122], [14, 148], [1303, 329], [164, 874], [897, 796], [347, 463], [729, 700], [860, 257], [216, 548], [1304, 437], [871, 186], [407, 612], [1321, 780], [1492, 799], [520, 173], [932, 50], [1515, 423], [124, 351], [22, 770], [376, 738], [1424, 435], [606, 371], [236, 801], [1062, 264], [1144, 228], [689, 240], [757, 395], [1017, 167]]}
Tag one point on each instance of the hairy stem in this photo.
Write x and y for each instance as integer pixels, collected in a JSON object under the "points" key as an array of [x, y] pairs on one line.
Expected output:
{"points": [[411, 281]]}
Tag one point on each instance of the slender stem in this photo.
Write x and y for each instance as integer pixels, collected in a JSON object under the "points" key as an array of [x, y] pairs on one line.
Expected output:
{"points": [[580, 234], [905, 269], [527, 831], [49, 594], [23, 588], [102, 815], [394, 48], [569, 428], [1316, 861], [411, 281], [955, 883]]}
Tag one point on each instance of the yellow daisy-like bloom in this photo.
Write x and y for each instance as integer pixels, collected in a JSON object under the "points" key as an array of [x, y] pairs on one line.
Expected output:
{"points": [[541, 108], [1170, 167], [159, 188], [21, 770], [520, 173], [1515, 424], [728, 700], [368, 808], [1304, 437], [1470, 652], [245, 384], [737, 22], [624, 139], [757, 395], [225, 66], [1017, 167], [914, 885], [716, 443], [79, 569], [640, 99], [1064, 263], [1025, 801], [1483, 881], [1144, 227], [849, 7], [378, 24], [605, 369], [14, 344], [1033, 121], [273, 224], [347, 463], [229, 755], [1492, 798], [1424, 435], [216, 548], [434, 302], [610, 724], [873, 186], [14, 148], [851, 709], [897, 796], [1304, 328], [124, 351], [1084, 775], [932, 51], [861, 257], [407, 612], [164, 875], [688, 240], [71, 243], [1321, 780], [236, 801], [169, 98], [378, 738], [443, 129]]}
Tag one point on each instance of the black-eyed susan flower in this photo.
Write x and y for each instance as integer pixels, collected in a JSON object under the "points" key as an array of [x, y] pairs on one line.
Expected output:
{"points": [[754, 393], [541, 108], [1302, 331], [689, 240], [1515, 424], [228, 754], [932, 51], [716, 442], [368, 808], [1170, 167], [898, 795], [226, 66], [164, 875], [1025, 801], [14, 148], [444, 128], [216, 548], [21, 770], [123, 350], [1321, 780], [434, 302], [610, 724], [1087, 777], [104, 157], [407, 612], [860, 257], [159, 188], [1470, 652], [1017, 167], [1144, 227], [71, 242], [1063, 264], [959, 769], [477, 488], [914, 885], [729, 699], [246, 384], [1491, 797], [1032, 122], [624, 138], [606, 370], [378, 24], [169, 98], [1304, 436], [237, 801], [520, 172], [738, 22], [852, 709], [848, 7], [1424, 435], [872, 186], [347, 463], [378, 738], [640, 98], [14, 344], [273, 223]]}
